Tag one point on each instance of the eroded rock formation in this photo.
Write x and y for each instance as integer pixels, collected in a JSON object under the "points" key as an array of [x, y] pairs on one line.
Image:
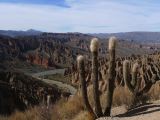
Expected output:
{"points": [[19, 91]]}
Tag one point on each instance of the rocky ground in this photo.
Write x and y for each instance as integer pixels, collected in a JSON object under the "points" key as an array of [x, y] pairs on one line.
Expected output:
{"points": [[149, 111]]}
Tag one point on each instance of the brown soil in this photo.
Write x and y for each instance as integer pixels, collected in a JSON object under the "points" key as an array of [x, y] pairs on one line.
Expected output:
{"points": [[149, 111]]}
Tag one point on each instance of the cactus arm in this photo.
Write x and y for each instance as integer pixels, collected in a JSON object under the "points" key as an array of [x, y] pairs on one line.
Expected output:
{"points": [[81, 68], [148, 77], [145, 89], [157, 70], [126, 76], [152, 71], [152, 76], [111, 75], [149, 81], [134, 80], [134, 75]]}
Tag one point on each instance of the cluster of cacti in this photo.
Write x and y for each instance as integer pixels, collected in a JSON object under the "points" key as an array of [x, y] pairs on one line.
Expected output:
{"points": [[149, 74], [146, 60], [94, 47], [137, 73]]}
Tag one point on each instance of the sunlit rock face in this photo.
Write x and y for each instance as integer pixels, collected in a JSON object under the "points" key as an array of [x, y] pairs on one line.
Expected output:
{"points": [[47, 49]]}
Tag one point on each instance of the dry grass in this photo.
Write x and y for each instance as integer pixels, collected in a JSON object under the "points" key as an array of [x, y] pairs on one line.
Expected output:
{"points": [[83, 115], [62, 110], [73, 109], [154, 92], [30, 114], [122, 96], [66, 110]]}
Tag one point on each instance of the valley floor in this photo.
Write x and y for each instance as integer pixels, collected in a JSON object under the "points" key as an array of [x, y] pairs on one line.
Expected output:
{"points": [[149, 111]]}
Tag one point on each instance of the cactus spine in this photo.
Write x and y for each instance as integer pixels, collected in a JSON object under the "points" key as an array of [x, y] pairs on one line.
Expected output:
{"points": [[80, 60], [111, 75], [94, 47]]}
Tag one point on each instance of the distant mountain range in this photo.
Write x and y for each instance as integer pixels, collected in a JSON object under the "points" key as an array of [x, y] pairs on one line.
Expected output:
{"points": [[13, 33], [141, 37], [137, 37]]}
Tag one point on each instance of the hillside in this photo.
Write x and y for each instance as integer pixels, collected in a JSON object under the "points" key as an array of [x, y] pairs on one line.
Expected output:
{"points": [[58, 49], [140, 37], [29, 57], [13, 33]]}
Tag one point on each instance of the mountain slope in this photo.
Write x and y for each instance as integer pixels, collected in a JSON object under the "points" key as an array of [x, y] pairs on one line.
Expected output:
{"points": [[13, 33], [141, 37], [59, 49]]}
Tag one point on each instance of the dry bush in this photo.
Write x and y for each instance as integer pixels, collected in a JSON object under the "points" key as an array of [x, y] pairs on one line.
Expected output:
{"points": [[90, 94], [30, 114], [83, 115], [73, 108], [36, 113], [154, 92], [62, 110], [122, 96], [67, 110]]}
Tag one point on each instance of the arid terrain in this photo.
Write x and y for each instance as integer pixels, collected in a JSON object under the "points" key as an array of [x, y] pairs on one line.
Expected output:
{"points": [[149, 111], [40, 78]]}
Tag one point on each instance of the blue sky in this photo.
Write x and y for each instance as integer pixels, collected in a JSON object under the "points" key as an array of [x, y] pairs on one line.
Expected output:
{"points": [[86, 16], [61, 3]]}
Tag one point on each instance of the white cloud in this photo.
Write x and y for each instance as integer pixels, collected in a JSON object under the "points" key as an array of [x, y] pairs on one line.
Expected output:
{"points": [[83, 16]]}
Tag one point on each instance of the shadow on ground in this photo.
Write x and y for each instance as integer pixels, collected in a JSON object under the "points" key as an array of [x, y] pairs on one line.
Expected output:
{"points": [[141, 110]]}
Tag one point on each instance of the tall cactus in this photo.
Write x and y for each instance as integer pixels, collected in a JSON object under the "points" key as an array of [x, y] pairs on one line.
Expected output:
{"points": [[94, 47], [111, 75], [94, 50], [80, 60]]}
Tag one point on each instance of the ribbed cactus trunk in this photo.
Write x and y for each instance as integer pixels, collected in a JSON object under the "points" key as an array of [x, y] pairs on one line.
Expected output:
{"points": [[126, 75], [81, 68], [131, 81], [96, 96], [94, 47], [134, 75], [111, 76]]}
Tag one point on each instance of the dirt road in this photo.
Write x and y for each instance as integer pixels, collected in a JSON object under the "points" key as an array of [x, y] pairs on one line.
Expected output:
{"points": [[59, 84]]}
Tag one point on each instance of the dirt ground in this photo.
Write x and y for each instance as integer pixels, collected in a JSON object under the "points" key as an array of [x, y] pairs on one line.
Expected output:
{"points": [[148, 111]]}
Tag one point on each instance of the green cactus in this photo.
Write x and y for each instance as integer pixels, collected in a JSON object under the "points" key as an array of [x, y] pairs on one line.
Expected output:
{"points": [[94, 47], [126, 75], [132, 83], [111, 75], [94, 50], [81, 68]]}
